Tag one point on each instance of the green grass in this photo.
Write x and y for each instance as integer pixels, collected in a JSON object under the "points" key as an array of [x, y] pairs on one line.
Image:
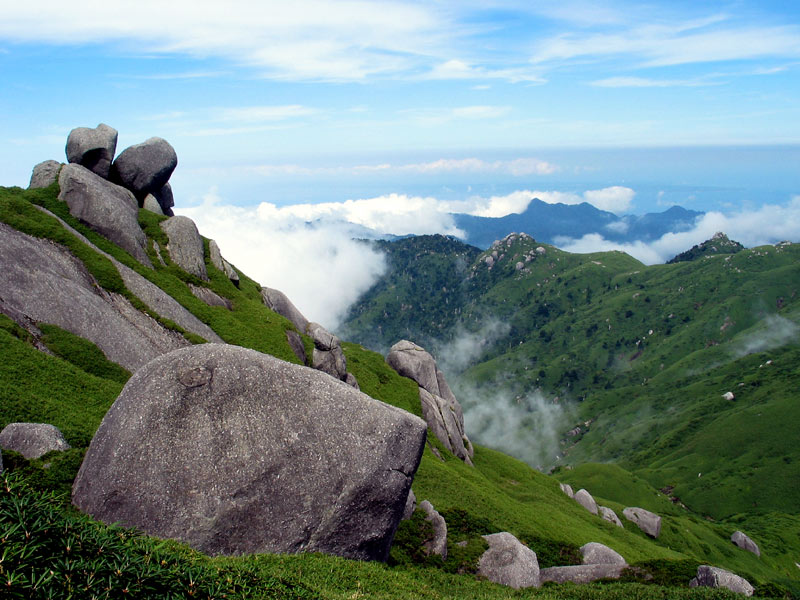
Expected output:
{"points": [[82, 353]]}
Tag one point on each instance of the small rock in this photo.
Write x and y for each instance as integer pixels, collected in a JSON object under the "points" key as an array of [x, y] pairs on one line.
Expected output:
{"points": [[437, 545], [744, 542], [44, 174], [328, 355], [32, 440], [609, 515], [210, 297], [296, 344], [411, 505], [647, 521], [585, 499], [165, 199], [145, 168], [150, 203], [597, 554], [93, 148], [708, 576], [223, 265], [728, 396], [580, 573], [509, 562], [351, 380], [567, 489], [185, 245]]}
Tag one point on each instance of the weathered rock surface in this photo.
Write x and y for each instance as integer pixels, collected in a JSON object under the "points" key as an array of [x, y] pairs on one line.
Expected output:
{"points": [[93, 148], [744, 542], [107, 208], [594, 553], [609, 515], [715, 577], [567, 489], [185, 245], [328, 355], [210, 297], [46, 283], [279, 302], [233, 451], [438, 544], [44, 174], [145, 168], [351, 380], [580, 573], [509, 562], [647, 521], [411, 505], [32, 440], [439, 405], [223, 265], [165, 199], [297, 346], [586, 500], [151, 203]]}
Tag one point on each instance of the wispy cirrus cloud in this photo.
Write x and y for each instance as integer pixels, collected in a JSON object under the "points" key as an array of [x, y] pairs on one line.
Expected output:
{"points": [[645, 82]]}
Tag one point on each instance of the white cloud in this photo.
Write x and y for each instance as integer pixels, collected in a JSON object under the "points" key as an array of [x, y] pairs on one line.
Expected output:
{"points": [[642, 82], [481, 112], [615, 199], [266, 113], [768, 224]]}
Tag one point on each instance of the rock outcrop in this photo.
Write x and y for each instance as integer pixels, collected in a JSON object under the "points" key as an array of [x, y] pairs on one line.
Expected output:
{"points": [[586, 500], [32, 440], [165, 199], [279, 302], [609, 515], [233, 451], [745, 543], [185, 245], [221, 264], [567, 489], [297, 346], [151, 203], [509, 562], [708, 576], [439, 406], [580, 573], [594, 553], [647, 521], [209, 296], [44, 174], [93, 148], [438, 543], [328, 355], [145, 168], [109, 209]]}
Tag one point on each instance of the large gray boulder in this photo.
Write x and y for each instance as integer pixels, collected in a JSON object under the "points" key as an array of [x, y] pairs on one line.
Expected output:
{"points": [[609, 515], [32, 440], [233, 451], [279, 302], [580, 573], [328, 355], [221, 264], [708, 576], [185, 245], [438, 543], [145, 168], [107, 208], [594, 553], [44, 282], [44, 174], [509, 562], [745, 543], [647, 521], [93, 148], [586, 500], [440, 407]]}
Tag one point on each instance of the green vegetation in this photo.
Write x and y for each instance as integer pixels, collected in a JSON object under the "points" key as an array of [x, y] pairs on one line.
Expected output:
{"points": [[82, 353]]}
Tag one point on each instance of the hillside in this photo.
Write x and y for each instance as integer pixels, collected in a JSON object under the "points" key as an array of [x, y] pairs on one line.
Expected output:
{"points": [[57, 377]]}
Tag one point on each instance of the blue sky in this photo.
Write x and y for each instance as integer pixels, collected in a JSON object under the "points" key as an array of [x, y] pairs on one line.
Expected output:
{"points": [[417, 108]]}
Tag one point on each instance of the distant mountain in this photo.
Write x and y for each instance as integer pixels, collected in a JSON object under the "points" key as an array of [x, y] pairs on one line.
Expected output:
{"points": [[719, 244], [547, 222]]}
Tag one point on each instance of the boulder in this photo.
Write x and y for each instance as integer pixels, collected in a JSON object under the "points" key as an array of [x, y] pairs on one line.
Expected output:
{"points": [[296, 344], [647, 521], [185, 245], [145, 168], [44, 174], [279, 302], [150, 203], [210, 297], [44, 282], [567, 489], [351, 380], [32, 440], [233, 451], [440, 407], [585, 499], [438, 543], [580, 573], [328, 355], [609, 515], [165, 199], [223, 265], [93, 148], [411, 505], [107, 208], [708, 576], [509, 562], [598, 554], [744, 542]]}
